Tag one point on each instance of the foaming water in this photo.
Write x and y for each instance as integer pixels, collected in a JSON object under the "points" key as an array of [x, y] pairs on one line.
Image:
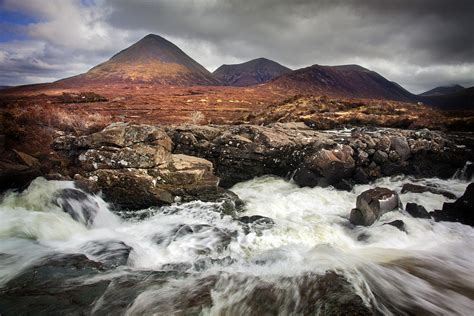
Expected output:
{"points": [[427, 268]]}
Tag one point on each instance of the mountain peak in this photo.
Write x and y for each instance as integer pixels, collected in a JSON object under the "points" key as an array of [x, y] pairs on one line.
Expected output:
{"points": [[152, 59], [251, 72]]}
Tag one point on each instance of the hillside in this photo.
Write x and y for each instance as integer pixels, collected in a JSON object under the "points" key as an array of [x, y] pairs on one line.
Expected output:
{"points": [[252, 72], [443, 90], [347, 81]]}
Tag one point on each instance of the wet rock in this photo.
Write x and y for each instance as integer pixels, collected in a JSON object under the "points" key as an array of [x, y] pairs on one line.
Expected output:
{"points": [[80, 206], [110, 253], [414, 188], [462, 210], [309, 294], [182, 266], [207, 262], [399, 224], [372, 204], [360, 176], [54, 287], [256, 223], [417, 210], [206, 238]]}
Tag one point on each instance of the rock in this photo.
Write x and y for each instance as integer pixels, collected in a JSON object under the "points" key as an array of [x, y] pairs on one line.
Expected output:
{"points": [[28, 160], [462, 210], [16, 176], [380, 157], [305, 177], [417, 211], [383, 144], [400, 146], [308, 294], [372, 204], [360, 176], [414, 188], [256, 223], [54, 287], [330, 165], [80, 206], [110, 253], [134, 168], [398, 224], [131, 188]]}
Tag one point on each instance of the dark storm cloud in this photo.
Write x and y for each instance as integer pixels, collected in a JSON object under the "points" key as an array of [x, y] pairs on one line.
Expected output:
{"points": [[425, 31], [419, 44]]}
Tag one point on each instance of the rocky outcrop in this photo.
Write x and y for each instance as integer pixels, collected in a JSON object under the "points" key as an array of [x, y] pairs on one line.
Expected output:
{"points": [[462, 210], [134, 168], [372, 204], [339, 158]]}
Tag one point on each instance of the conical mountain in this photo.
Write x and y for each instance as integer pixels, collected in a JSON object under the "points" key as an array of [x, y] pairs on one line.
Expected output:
{"points": [[152, 59], [249, 73]]}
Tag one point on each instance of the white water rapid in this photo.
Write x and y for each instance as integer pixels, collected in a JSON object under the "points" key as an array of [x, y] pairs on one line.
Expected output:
{"points": [[426, 269]]}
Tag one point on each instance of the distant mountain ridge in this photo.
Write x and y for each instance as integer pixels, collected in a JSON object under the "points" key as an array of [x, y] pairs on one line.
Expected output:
{"points": [[444, 90], [344, 80], [252, 72], [153, 59]]}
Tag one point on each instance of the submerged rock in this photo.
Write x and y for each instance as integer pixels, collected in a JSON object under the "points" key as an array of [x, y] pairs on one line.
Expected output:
{"points": [[372, 204], [110, 253], [256, 223], [399, 224], [462, 210], [80, 206], [417, 211], [414, 188]]}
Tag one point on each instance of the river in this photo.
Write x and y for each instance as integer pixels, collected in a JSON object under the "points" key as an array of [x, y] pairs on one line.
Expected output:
{"points": [[212, 264]]}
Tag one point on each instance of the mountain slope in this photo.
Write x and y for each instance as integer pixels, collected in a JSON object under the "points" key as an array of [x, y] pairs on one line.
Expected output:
{"points": [[443, 90], [461, 100], [249, 73], [345, 80], [153, 59]]}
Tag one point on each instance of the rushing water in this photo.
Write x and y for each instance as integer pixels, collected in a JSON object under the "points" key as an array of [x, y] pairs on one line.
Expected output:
{"points": [[428, 268]]}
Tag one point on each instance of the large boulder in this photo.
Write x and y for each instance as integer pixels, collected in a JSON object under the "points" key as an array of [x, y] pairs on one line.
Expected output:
{"points": [[462, 210], [372, 204], [326, 167], [400, 145]]}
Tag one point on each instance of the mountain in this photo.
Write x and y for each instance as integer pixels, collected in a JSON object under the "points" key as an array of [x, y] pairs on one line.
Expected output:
{"points": [[443, 90], [153, 59], [461, 100], [346, 80], [249, 73]]}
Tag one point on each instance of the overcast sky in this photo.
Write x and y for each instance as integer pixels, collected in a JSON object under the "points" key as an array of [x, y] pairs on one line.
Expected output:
{"points": [[419, 43]]}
